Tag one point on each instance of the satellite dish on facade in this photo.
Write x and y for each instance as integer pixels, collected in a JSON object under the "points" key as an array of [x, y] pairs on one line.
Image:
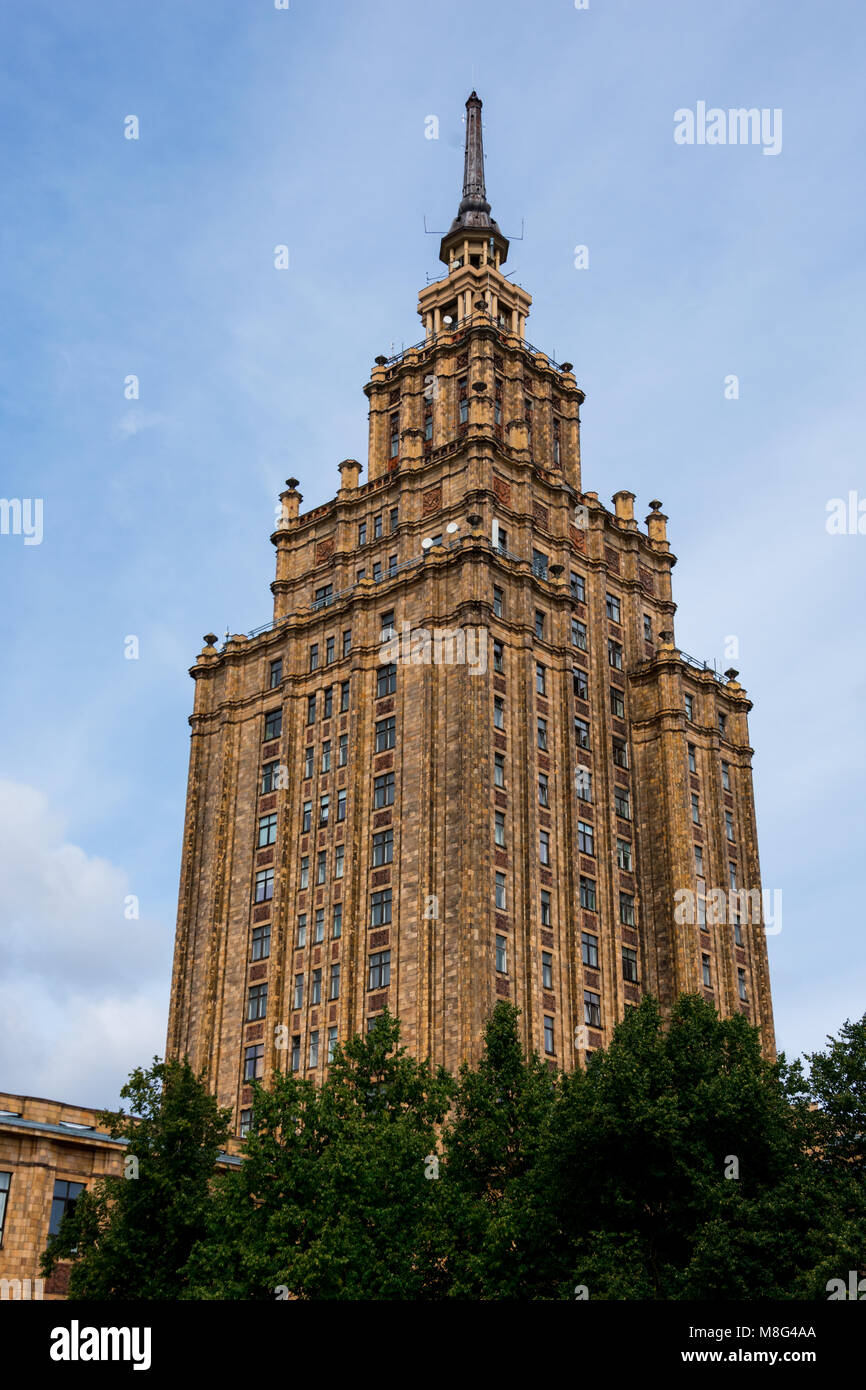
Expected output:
{"points": [[426, 543]]}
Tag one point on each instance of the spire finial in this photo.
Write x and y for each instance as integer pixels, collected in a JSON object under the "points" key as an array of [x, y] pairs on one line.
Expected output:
{"points": [[473, 215]]}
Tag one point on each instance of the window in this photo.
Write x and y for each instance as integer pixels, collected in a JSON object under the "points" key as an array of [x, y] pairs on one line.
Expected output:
{"points": [[729, 825], [732, 875], [261, 942], [273, 724], [499, 769], [275, 674], [298, 998], [326, 755], [383, 790], [321, 866], [705, 972], [540, 679], [270, 777], [585, 837], [623, 855], [693, 765], [629, 964], [621, 803], [339, 857], [386, 680], [741, 985], [501, 537], [581, 732], [500, 892], [343, 750], [587, 893], [380, 970], [543, 789], [539, 625], [392, 564], [589, 950], [314, 657], [626, 909], [548, 1035], [344, 696], [324, 808], [647, 628], [498, 657], [311, 709], [334, 989], [497, 602], [383, 848], [302, 929], [341, 804], [545, 908], [324, 596], [246, 1122], [386, 734], [583, 783], [267, 830], [617, 703], [330, 650], [546, 970], [463, 403], [337, 923], [314, 1048], [254, 1062], [499, 828], [347, 641], [362, 533], [501, 955], [578, 634], [738, 933], [577, 584], [620, 753], [332, 1042], [592, 1008], [66, 1194], [723, 722], [296, 1052], [696, 809], [308, 763], [386, 626], [690, 706], [380, 908], [544, 846], [264, 885], [614, 654], [699, 860], [328, 702], [612, 608], [377, 527], [428, 423], [542, 734], [498, 712], [305, 872], [316, 988], [539, 564], [726, 776], [257, 1002], [395, 518]]}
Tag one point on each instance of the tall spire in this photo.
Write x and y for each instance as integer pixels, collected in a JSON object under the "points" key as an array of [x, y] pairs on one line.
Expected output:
{"points": [[473, 215]]}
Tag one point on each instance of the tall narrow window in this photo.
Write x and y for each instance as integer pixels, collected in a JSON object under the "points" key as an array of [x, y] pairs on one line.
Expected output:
{"points": [[501, 955], [617, 703], [276, 674], [705, 972]]}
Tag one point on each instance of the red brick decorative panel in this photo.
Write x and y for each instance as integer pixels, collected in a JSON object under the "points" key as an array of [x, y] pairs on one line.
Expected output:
{"points": [[500, 858], [335, 950], [647, 581], [611, 558], [500, 741], [545, 819], [255, 1034], [595, 1039], [270, 750], [548, 1001], [431, 501], [584, 758], [590, 921], [344, 723], [501, 490], [379, 938], [617, 680], [623, 827], [261, 914], [543, 706], [502, 923], [582, 708], [383, 763], [502, 988], [592, 980], [619, 727], [380, 876], [632, 994], [578, 659], [299, 960], [320, 896], [501, 799], [629, 936], [258, 972], [577, 538], [544, 762], [296, 1023], [377, 1001], [545, 877], [384, 707], [745, 1009], [499, 684], [314, 1018], [620, 777], [305, 843], [729, 801], [547, 938], [302, 900], [381, 818], [541, 515], [709, 996], [268, 803], [246, 1095], [587, 866], [265, 856], [324, 550], [332, 1013]]}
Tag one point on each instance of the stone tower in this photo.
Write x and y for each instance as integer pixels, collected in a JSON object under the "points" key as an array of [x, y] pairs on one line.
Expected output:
{"points": [[466, 761]]}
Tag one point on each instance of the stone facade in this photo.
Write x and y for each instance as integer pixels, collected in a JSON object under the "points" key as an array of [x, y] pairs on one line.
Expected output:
{"points": [[371, 823]]}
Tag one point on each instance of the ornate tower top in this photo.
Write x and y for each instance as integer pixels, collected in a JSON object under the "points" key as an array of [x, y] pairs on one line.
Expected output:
{"points": [[473, 215]]}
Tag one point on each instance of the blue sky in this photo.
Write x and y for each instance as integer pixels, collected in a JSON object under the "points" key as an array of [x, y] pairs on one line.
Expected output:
{"points": [[155, 257]]}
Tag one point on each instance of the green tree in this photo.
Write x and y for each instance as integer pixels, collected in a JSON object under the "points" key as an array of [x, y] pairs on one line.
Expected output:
{"points": [[130, 1237]]}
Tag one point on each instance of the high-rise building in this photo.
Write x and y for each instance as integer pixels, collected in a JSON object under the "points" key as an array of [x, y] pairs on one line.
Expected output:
{"points": [[466, 761]]}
